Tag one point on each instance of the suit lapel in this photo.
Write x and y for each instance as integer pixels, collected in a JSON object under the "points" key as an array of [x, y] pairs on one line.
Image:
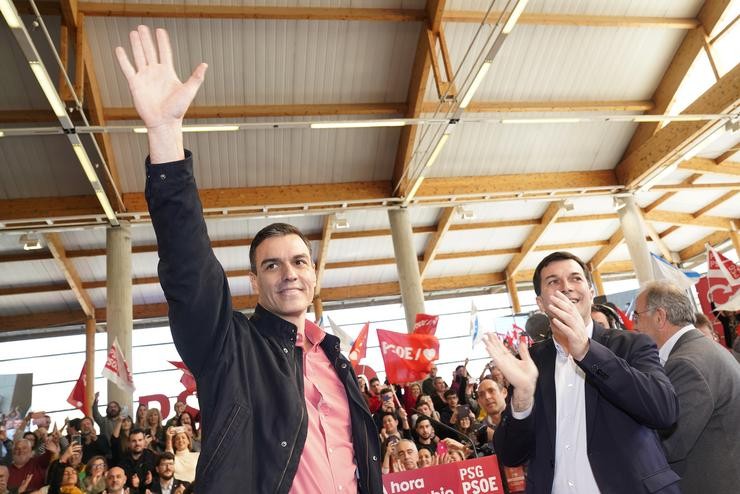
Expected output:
{"points": [[547, 386], [592, 393]]}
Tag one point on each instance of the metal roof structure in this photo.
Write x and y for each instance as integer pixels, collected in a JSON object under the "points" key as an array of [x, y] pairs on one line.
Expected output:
{"points": [[583, 101]]}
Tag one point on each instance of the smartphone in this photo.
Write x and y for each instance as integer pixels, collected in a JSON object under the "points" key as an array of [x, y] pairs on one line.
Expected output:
{"points": [[463, 411], [77, 439], [124, 411], [178, 429], [441, 448]]}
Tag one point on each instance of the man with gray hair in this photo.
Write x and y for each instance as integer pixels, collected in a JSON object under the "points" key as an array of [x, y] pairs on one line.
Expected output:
{"points": [[701, 446]]}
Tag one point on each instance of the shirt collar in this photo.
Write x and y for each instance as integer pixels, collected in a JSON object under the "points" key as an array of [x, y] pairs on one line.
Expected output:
{"points": [[667, 347], [311, 331], [561, 351]]}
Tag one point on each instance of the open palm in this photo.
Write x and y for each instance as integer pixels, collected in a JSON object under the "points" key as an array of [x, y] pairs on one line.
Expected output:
{"points": [[160, 98], [522, 373]]}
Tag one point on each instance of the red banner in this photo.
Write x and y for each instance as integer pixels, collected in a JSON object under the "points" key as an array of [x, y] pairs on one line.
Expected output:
{"points": [[77, 396], [477, 476], [407, 357], [187, 379], [359, 347], [425, 324]]}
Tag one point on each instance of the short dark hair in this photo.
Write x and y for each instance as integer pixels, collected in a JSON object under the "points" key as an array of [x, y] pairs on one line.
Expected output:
{"points": [[450, 392], [374, 379], [273, 230], [554, 257], [136, 430], [421, 419], [165, 456], [392, 414]]}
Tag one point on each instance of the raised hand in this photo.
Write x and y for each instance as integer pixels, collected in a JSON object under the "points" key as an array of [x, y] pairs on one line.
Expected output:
{"points": [[522, 374], [567, 326], [160, 98]]}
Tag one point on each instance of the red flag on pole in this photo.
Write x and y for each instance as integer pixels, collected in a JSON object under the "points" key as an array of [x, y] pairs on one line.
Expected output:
{"points": [[425, 324], [116, 369], [187, 379], [77, 397], [359, 347], [407, 357]]}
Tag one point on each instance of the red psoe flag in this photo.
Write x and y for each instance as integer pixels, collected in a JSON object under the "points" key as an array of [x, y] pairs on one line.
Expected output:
{"points": [[77, 397], [407, 357], [116, 368], [425, 324], [359, 347], [187, 379]]}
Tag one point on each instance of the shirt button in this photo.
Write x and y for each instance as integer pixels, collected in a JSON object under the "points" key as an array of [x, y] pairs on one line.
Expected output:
{"points": [[375, 458], [162, 176], [283, 444], [344, 366], [339, 487], [571, 484], [285, 350]]}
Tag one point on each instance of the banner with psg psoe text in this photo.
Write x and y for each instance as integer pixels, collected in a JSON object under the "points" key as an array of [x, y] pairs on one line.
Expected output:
{"points": [[477, 476], [407, 357]]}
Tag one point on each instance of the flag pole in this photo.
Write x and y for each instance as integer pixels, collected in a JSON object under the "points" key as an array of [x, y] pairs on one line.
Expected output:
{"points": [[89, 364]]}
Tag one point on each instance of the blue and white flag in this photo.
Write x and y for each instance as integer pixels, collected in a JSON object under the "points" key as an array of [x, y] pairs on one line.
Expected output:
{"points": [[474, 329], [664, 270]]}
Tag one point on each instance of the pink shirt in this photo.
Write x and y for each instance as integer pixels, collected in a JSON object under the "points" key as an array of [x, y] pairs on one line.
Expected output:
{"points": [[327, 463]]}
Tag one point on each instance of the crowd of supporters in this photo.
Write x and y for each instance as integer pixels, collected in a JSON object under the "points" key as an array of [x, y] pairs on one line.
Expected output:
{"points": [[109, 453]]}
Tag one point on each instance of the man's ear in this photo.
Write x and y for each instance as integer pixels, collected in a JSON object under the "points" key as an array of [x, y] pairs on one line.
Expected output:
{"points": [[540, 303], [253, 282]]}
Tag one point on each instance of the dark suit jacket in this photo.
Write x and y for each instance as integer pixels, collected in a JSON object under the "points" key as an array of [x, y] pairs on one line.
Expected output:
{"points": [[628, 396], [156, 488], [704, 446]]}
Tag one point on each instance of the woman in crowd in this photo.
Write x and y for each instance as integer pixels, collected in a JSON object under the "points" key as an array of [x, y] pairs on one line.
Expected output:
{"points": [[426, 459], [178, 443], [411, 395], [469, 428], [93, 481], [186, 420], [155, 430], [119, 437], [141, 416]]}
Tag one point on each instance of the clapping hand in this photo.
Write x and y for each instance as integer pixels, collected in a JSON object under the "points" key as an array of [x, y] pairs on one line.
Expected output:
{"points": [[522, 374]]}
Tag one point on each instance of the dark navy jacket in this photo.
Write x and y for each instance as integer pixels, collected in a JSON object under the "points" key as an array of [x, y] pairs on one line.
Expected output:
{"points": [[249, 371], [628, 397]]}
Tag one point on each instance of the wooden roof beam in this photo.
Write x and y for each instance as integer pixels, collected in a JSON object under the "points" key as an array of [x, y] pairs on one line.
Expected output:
{"points": [[703, 166], [574, 20], [597, 260], [327, 230], [191, 11], [430, 252], [235, 273], [67, 267], [543, 106], [699, 247], [686, 219], [661, 149], [417, 88], [552, 212], [691, 46]]}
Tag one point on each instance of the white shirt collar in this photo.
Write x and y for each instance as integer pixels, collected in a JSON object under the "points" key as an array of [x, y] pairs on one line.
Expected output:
{"points": [[667, 347], [561, 351]]}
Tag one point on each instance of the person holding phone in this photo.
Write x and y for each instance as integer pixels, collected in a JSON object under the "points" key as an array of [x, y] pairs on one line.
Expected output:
{"points": [[315, 432], [107, 422]]}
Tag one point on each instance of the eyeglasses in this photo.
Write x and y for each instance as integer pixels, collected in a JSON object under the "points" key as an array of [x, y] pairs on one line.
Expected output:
{"points": [[636, 315]]}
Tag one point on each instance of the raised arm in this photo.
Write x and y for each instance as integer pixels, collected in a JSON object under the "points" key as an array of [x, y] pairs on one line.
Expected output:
{"points": [[160, 98], [192, 279]]}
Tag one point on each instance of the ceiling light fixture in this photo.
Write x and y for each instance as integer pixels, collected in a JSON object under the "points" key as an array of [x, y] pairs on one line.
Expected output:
{"points": [[30, 241], [476, 82], [47, 86], [196, 128], [11, 15], [466, 214], [514, 16], [341, 222], [660, 175], [359, 124]]}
